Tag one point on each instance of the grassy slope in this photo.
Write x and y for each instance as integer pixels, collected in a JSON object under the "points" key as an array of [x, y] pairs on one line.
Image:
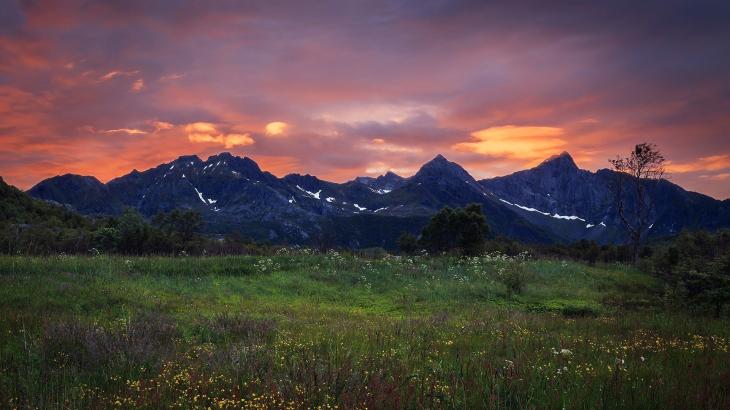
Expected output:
{"points": [[349, 332]]}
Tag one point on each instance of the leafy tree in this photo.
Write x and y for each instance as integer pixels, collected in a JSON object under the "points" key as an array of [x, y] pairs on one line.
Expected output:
{"points": [[636, 173], [473, 227], [440, 234], [133, 232], [182, 225], [107, 239], [451, 229]]}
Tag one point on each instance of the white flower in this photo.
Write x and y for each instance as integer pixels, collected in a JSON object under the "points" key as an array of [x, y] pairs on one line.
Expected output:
{"points": [[566, 352]]}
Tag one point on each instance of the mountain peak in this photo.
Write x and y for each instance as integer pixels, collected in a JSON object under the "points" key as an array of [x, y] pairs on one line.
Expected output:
{"points": [[222, 155], [187, 158], [562, 161], [440, 167], [439, 161]]}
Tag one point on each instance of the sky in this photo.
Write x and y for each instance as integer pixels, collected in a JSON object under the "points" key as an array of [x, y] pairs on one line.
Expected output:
{"points": [[340, 88]]}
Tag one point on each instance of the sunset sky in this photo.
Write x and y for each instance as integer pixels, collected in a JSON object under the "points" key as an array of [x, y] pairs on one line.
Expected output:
{"points": [[341, 88]]}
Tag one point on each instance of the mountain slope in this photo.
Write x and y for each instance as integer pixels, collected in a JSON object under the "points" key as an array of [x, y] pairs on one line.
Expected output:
{"points": [[553, 202], [558, 195], [18, 208]]}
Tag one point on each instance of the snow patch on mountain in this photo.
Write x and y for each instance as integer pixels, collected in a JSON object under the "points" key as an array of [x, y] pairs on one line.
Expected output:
{"points": [[200, 195], [380, 191], [314, 195], [555, 215]]}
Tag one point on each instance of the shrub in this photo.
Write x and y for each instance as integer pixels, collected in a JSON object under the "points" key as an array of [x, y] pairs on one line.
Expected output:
{"points": [[513, 276]]}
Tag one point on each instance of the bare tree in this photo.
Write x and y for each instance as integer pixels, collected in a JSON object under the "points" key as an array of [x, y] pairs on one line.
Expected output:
{"points": [[643, 168]]}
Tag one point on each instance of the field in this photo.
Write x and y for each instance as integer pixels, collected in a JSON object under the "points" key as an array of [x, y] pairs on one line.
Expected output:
{"points": [[298, 330]]}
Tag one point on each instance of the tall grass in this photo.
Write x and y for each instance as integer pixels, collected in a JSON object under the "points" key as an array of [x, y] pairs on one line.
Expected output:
{"points": [[334, 331]]}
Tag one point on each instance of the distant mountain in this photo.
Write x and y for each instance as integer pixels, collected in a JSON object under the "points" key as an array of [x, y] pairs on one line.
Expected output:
{"points": [[579, 204], [20, 210], [553, 202], [384, 183]]}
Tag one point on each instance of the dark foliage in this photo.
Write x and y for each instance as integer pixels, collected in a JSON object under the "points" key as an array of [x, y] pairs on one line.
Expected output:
{"points": [[462, 229], [408, 243], [695, 267]]}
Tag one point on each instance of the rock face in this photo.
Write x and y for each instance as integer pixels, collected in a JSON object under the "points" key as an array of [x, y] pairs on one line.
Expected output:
{"points": [[553, 202], [384, 183]]}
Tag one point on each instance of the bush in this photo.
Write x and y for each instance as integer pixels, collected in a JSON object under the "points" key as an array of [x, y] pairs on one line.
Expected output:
{"points": [[513, 276]]}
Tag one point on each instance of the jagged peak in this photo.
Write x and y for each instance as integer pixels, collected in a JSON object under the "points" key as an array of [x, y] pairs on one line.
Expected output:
{"points": [[221, 155], [391, 175], [238, 163], [439, 161], [187, 158], [564, 159], [440, 166]]}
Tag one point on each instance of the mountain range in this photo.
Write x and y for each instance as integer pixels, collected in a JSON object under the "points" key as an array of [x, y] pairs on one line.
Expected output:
{"points": [[554, 202]]}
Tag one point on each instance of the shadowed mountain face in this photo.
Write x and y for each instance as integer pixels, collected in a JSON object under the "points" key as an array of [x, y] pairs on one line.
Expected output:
{"points": [[580, 204], [553, 202]]}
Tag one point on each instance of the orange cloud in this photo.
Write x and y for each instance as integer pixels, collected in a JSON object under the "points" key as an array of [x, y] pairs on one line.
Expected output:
{"points": [[205, 132], [161, 125], [717, 177], [711, 163], [515, 142], [276, 129]]}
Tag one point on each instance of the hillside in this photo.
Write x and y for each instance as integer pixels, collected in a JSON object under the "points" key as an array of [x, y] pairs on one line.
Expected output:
{"points": [[17, 208]]}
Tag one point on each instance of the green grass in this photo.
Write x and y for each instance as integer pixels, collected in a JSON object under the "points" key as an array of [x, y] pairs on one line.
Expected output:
{"points": [[305, 331]]}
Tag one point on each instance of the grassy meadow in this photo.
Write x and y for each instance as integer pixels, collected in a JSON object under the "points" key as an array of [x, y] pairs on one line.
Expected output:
{"points": [[299, 330]]}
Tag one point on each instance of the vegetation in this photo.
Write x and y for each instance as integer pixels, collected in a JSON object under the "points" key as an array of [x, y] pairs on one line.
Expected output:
{"points": [[302, 330], [637, 173], [695, 268], [459, 230]]}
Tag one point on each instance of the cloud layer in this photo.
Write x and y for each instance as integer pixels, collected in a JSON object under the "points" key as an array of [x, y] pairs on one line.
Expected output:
{"points": [[340, 89]]}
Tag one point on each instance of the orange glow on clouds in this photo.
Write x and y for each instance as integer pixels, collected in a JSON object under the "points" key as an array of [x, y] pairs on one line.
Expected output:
{"points": [[101, 89], [711, 163], [205, 132], [528, 143], [276, 129]]}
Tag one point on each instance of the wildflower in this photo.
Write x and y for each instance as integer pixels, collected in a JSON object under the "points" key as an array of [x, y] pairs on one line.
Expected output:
{"points": [[566, 352]]}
